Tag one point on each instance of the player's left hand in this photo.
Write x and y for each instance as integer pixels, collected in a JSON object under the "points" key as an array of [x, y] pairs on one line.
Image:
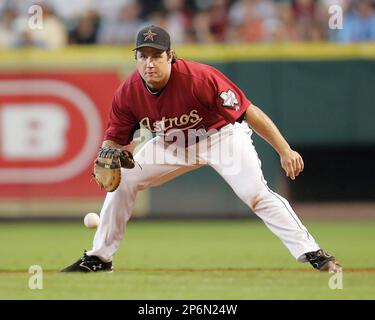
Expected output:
{"points": [[292, 163], [107, 167]]}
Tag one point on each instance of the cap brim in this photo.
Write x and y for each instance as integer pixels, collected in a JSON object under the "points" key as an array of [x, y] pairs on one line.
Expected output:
{"points": [[151, 45]]}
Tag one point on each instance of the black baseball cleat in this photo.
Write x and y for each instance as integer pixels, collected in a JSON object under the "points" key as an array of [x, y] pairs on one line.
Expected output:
{"points": [[323, 261], [89, 264]]}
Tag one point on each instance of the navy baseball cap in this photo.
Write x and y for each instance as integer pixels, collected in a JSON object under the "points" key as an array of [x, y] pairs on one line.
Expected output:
{"points": [[154, 37]]}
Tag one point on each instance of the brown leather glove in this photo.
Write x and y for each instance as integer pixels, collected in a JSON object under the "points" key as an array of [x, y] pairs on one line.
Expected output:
{"points": [[107, 167]]}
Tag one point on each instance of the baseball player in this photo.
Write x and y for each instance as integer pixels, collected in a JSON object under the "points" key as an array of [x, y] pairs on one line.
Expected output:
{"points": [[199, 117]]}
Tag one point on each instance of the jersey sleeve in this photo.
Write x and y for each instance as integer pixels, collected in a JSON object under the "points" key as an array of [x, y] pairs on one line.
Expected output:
{"points": [[121, 124], [224, 97]]}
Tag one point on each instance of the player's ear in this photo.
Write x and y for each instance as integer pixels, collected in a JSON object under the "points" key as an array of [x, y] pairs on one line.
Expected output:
{"points": [[170, 56]]}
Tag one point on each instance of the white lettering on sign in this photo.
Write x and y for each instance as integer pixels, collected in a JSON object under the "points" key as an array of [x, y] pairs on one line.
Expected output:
{"points": [[91, 117], [33, 131]]}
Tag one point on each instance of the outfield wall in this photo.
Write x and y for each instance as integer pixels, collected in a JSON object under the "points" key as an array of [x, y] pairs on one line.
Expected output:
{"points": [[54, 106]]}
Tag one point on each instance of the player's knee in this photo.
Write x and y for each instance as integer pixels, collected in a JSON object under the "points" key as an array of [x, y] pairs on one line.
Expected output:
{"points": [[249, 197], [253, 198]]}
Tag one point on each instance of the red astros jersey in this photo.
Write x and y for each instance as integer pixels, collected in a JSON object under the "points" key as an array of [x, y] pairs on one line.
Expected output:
{"points": [[197, 96]]}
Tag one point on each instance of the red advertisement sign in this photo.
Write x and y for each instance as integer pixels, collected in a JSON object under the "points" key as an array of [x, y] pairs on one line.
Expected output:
{"points": [[51, 126]]}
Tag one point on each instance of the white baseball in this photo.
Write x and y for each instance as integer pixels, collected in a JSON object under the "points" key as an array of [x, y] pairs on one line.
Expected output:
{"points": [[91, 220]]}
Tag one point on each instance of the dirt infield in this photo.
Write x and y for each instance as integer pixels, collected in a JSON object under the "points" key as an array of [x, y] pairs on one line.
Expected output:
{"points": [[208, 270], [350, 210]]}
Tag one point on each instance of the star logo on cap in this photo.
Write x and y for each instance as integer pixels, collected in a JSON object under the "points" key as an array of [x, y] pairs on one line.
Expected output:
{"points": [[149, 35]]}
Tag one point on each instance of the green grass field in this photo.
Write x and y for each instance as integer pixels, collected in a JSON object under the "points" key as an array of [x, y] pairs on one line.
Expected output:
{"points": [[186, 260]]}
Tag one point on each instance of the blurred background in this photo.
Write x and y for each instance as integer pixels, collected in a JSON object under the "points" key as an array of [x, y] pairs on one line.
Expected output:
{"points": [[309, 64], [114, 22]]}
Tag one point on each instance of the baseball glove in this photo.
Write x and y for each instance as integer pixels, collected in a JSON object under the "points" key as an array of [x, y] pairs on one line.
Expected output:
{"points": [[107, 167]]}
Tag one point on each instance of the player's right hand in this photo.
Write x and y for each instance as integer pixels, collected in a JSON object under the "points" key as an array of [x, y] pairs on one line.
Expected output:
{"points": [[292, 163]]}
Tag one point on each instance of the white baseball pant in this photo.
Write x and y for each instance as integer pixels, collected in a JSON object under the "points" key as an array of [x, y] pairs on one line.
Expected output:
{"points": [[231, 153]]}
